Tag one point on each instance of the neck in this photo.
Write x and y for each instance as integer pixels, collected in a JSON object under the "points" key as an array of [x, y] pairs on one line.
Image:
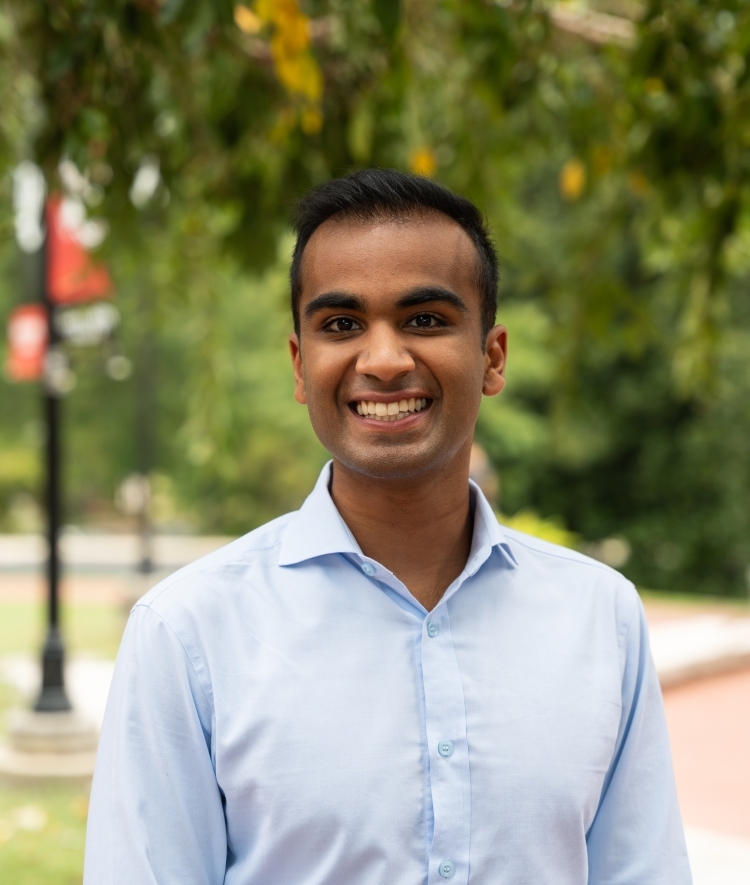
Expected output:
{"points": [[419, 528]]}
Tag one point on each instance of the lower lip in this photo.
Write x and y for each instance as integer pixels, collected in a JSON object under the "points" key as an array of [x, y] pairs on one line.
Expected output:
{"points": [[388, 426]]}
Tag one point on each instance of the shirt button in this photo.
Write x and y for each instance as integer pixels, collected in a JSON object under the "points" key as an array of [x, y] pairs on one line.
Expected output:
{"points": [[368, 568], [445, 748], [446, 869], [433, 629]]}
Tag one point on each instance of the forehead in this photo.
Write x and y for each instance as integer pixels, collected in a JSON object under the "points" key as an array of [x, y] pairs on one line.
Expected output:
{"points": [[388, 256]]}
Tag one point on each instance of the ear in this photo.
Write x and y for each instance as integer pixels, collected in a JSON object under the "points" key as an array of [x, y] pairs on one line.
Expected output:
{"points": [[495, 354], [299, 380]]}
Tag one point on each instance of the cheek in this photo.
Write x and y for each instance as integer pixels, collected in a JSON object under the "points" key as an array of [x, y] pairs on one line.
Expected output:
{"points": [[322, 376], [462, 390], [461, 376]]}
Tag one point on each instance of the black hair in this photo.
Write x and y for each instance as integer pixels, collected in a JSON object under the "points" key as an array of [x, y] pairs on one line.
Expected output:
{"points": [[386, 193]]}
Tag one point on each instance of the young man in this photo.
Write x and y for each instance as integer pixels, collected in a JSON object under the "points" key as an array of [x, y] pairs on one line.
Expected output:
{"points": [[386, 687]]}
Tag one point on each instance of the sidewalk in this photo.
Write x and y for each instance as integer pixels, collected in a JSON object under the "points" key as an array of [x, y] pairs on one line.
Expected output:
{"points": [[83, 551], [705, 645], [709, 726]]}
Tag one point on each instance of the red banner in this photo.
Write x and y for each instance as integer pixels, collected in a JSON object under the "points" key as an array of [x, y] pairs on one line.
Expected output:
{"points": [[27, 343], [71, 274]]}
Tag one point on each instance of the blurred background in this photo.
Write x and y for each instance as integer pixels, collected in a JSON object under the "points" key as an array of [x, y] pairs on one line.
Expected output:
{"points": [[608, 143]]}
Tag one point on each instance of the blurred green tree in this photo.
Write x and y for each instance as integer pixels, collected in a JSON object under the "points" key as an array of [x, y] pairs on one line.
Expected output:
{"points": [[608, 144]]}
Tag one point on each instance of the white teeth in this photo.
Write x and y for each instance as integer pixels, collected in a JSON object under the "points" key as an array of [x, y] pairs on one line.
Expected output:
{"points": [[391, 411]]}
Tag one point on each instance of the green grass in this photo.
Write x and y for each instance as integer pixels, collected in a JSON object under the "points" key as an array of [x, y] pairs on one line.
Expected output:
{"points": [[43, 829], [42, 834], [730, 604], [89, 628]]}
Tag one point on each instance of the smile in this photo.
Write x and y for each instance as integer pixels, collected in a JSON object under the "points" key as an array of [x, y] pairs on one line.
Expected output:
{"points": [[395, 411]]}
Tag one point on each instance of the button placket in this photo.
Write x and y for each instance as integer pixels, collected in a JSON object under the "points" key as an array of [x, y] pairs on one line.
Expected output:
{"points": [[449, 760]]}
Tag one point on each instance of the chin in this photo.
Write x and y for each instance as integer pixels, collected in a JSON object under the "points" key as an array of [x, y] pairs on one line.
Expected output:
{"points": [[396, 462]]}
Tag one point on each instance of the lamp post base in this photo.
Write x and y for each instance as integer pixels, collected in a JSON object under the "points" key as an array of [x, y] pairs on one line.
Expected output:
{"points": [[52, 698], [48, 746]]}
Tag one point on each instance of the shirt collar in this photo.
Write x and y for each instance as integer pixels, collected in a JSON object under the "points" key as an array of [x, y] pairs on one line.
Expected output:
{"points": [[488, 533], [317, 529]]}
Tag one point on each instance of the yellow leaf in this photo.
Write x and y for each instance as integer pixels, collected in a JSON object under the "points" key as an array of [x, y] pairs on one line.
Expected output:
{"points": [[312, 121], [423, 161], [572, 179], [266, 10], [300, 74], [246, 20], [296, 67]]}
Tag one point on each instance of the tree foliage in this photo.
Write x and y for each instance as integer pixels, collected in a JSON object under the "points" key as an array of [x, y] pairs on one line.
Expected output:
{"points": [[608, 145]]}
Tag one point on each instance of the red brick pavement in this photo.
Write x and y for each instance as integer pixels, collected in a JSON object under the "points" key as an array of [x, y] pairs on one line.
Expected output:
{"points": [[709, 726]]}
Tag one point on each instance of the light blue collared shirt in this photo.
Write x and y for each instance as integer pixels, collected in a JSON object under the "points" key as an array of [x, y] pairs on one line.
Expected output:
{"points": [[284, 712]]}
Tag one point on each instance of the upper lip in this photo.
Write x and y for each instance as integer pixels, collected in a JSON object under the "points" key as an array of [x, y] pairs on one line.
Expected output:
{"points": [[394, 397]]}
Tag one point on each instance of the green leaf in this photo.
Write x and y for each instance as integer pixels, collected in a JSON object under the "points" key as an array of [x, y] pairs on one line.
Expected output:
{"points": [[388, 13]]}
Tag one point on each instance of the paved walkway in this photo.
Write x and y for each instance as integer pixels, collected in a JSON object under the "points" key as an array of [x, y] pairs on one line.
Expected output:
{"points": [[88, 550], [718, 859], [709, 725], [87, 681], [688, 648]]}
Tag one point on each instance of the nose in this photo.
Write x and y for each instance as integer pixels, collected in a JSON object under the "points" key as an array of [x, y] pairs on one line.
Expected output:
{"points": [[383, 355]]}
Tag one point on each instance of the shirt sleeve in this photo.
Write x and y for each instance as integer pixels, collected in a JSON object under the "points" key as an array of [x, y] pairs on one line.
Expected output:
{"points": [[156, 813], [637, 837]]}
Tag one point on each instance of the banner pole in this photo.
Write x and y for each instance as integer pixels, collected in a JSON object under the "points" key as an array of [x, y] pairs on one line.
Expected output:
{"points": [[52, 697]]}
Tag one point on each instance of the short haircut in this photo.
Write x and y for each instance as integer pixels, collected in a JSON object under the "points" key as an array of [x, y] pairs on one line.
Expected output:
{"points": [[385, 193]]}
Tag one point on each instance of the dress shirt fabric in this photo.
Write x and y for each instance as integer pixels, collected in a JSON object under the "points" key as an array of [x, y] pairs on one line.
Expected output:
{"points": [[285, 712]]}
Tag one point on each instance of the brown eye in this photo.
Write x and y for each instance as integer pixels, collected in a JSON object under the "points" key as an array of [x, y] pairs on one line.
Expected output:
{"points": [[425, 321], [342, 324]]}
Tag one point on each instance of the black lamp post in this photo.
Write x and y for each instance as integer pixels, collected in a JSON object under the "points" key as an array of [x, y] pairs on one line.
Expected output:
{"points": [[51, 740], [52, 697]]}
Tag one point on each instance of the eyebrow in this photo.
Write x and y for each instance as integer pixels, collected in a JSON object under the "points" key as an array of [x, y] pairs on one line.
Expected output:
{"points": [[415, 298], [335, 301], [431, 294]]}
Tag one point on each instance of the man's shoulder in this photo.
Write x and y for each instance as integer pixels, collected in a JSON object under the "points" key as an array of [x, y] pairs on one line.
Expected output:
{"points": [[569, 569], [574, 579], [554, 555], [224, 568]]}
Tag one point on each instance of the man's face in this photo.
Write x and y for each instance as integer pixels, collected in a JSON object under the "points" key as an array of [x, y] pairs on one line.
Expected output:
{"points": [[390, 321]]}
